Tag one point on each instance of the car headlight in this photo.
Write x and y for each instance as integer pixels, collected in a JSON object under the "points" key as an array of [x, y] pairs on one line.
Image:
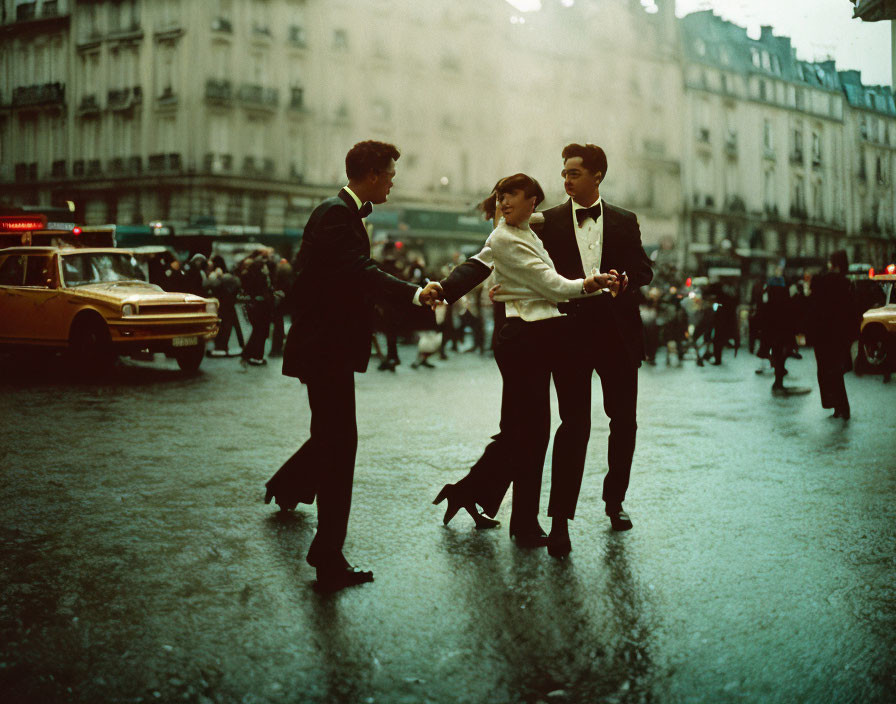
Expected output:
{"points": [[211, 307], [129, 309]]}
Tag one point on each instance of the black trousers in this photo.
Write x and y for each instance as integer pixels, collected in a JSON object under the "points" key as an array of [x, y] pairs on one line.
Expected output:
{"points": [[324, 467], [831, 358], [525, 353], [229, 323], [587, 346], [260, 318]]}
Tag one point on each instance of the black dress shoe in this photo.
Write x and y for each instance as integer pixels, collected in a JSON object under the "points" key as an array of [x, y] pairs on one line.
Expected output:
{"points": [[529, 537], [331, 580], [619, 520], [559, 545]]}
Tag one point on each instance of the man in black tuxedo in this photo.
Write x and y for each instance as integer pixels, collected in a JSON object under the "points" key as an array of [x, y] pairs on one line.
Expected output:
{"points": [[336, 286], [602, 333]]}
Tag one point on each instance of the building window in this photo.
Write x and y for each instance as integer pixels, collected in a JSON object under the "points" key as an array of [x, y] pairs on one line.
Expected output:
{"points": [[766, 61], [763, 91], [768, 136], [340, 40], [754, 55], [816, 149], [797, 155], [700, 46]]}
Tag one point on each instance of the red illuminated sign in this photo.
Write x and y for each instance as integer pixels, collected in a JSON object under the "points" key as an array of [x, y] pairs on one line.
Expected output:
{"points": [[22, 223]]}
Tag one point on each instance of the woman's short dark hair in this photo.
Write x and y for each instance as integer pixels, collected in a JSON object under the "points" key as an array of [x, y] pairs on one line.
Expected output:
{"points": [[518, 182], [369, 156], [593, 157], [840, 260]]}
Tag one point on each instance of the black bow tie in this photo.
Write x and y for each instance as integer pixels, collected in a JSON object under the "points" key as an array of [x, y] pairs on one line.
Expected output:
{"points": [[584, 213], [365, 209]]}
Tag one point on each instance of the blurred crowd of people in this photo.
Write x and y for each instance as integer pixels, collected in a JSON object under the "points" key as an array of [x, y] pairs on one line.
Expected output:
{"points": [[261, 282], [691, 319]]}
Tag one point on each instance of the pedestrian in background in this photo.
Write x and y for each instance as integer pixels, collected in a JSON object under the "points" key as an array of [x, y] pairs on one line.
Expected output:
{"points": [[776, 319], [259, 307], [831, 321], [282, 284], [226, 287]]}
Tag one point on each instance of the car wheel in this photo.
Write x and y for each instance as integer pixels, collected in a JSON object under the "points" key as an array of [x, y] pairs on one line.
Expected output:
{"points": [[875, 347], [90, 346], [189, 358]]}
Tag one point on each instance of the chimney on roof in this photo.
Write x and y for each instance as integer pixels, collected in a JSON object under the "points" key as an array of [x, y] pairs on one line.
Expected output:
{"points": [[767, 33]]}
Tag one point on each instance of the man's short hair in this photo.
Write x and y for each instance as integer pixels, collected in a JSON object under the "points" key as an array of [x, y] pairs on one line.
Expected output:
{"points": [[593, 157], [369, 156]]}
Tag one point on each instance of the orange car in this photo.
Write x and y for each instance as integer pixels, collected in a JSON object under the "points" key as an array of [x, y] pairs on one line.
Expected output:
{"points": [[94, 303], [877, 333]]}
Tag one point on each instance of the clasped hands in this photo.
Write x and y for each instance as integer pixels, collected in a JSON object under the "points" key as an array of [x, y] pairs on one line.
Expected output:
{"points": [[431, 295], [613, 281]]}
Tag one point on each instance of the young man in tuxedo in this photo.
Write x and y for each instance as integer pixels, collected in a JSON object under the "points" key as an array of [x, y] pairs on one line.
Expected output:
{"points": [[602, 333], [335, 288]]}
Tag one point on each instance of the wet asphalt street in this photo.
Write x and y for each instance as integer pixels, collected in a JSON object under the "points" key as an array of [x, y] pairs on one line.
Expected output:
{"points": [[140, 564]]}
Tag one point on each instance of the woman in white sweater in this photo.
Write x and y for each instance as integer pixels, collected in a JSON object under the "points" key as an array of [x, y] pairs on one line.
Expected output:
{"points": [[525, 353]]}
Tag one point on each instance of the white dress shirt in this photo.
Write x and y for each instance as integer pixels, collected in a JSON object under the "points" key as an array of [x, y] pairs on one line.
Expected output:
{"points": [[530, 285], [590, 237]]}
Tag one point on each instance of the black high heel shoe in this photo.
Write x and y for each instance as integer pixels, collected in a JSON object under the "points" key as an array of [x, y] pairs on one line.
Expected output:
{"points": [[455, 504]]}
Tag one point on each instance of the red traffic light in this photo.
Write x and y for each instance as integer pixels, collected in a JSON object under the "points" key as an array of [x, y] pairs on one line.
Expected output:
{"points": [[687, 282], [22, 223], [399, 244], [76, 230]]}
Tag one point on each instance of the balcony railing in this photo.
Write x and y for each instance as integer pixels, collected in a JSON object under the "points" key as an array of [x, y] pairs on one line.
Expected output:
{"points": [[164, 162], [116, 165], [134, 164], [255, 94], [57, 170], [218, 89], [125, 98], [89, 105], [799, 212], [39, 94], [94, 168], [78, 167]]}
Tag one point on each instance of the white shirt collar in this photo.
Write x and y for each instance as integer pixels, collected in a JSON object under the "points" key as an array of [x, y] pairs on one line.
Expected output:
{"points": [[576, 206], [354, 197]]}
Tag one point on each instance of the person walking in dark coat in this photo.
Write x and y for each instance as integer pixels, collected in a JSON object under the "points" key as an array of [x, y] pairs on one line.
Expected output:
{"points": [[336, 286], [831, 320], [777, 323], [259, 307]]}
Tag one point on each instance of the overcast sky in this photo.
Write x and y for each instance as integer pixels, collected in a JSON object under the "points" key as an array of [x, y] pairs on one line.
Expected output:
{"points": [[819, 29]]}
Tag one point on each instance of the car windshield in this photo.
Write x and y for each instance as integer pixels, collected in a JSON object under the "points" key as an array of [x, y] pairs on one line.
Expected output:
{"points": [[99, 267]]}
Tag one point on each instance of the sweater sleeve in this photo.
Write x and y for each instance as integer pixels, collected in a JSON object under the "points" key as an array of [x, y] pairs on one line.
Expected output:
{"points": [[519, 260]]}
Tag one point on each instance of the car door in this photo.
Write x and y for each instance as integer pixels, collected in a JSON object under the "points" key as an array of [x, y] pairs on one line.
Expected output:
{"points": [[48, 312], [12, 309]]}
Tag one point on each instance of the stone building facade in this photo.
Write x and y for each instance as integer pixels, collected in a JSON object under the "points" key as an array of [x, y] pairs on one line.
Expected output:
{"points": [[786, 159], [238, 113]]}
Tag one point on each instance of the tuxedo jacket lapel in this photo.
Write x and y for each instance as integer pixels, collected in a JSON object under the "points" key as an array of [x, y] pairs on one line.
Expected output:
{"points": [[560, 241], [357, 223]]}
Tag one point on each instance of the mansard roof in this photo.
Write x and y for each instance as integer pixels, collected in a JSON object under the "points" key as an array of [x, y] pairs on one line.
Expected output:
{"points": [[710, 40]]}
